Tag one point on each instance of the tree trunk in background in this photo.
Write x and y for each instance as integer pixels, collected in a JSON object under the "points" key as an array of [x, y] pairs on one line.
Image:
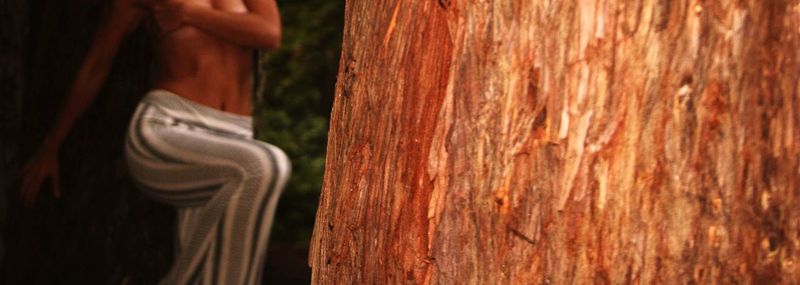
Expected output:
{"points": [[102, 231], [12, 35], [564, 142]]}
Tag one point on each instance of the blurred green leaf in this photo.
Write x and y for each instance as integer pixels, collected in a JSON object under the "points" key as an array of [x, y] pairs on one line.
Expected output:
{"points": [[297, 96]]}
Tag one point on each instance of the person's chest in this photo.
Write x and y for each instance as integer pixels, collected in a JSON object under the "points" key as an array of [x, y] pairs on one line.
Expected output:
{"points": [[223, 5]]}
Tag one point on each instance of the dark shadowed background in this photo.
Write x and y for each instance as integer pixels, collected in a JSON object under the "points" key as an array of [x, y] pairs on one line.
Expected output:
{"points": [[103, 231]]}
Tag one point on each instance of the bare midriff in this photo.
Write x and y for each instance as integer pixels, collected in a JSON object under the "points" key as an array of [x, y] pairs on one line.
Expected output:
{"points": [[205, 69]]}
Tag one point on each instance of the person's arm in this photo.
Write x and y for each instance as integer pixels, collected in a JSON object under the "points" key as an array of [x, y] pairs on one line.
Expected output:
{"points": [[259, 27], [121, 20]]}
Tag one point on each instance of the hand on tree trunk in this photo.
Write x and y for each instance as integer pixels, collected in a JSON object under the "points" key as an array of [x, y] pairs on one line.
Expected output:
{"points": [[43, 165]]}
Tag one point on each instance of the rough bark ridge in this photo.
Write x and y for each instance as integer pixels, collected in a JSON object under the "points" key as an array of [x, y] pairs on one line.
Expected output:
{"points": [[563, 142]]}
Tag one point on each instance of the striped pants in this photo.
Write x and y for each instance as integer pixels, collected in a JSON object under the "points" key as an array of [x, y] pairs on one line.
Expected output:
{"points": [[224, 184]]}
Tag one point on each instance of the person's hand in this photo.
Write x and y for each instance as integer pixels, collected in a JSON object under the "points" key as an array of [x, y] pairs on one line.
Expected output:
{"points": [[43, 165], [169, 14]]}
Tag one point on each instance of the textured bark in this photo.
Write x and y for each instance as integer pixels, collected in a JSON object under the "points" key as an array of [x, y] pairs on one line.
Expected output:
{"points": [[102, 231], [564, 142], [12, 35]]}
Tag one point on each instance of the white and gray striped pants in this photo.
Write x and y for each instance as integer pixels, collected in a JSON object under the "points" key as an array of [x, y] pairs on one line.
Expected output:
{"points": [[224, 184]]}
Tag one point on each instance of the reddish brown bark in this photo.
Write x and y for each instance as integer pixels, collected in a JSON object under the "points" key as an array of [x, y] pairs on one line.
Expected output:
{"points": [[564, 142]]}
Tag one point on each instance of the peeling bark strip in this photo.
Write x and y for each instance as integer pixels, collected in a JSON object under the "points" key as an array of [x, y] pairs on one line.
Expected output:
{"points": [[564, 142]]}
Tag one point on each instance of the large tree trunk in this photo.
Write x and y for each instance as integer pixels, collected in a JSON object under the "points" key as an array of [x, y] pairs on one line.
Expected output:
{"points": [[12, 35], [102, 231], [564, 142]]}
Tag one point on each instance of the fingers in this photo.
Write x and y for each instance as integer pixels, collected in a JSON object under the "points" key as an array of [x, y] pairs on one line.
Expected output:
{"points": [[33, 182], [31, 186], [168, 15], [33, 192], [56, 185], [26, 182], [34, 173], [29, 177]]}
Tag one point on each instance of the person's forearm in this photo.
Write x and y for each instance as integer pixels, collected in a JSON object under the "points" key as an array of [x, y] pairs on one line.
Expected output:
{"points": [[83, 92], [246, 29], [123, 18]]}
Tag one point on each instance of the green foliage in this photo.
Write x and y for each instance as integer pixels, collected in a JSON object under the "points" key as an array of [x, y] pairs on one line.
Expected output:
{"points": [[297, 88]]}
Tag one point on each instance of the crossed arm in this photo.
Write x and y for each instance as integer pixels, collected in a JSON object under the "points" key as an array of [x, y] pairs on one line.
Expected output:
{"points": [[258, 27]]}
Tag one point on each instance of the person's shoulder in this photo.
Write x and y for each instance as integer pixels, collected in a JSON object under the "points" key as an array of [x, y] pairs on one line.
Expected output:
{"points": [[133, 4], [126, 15]]}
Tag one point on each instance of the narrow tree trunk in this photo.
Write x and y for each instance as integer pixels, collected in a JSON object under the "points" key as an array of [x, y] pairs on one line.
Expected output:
{"points": [[102, 231], [564, 142]]}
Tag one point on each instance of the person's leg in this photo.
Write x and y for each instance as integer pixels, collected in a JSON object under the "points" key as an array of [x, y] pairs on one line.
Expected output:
{"points": [[226, 184], [264, 216]]}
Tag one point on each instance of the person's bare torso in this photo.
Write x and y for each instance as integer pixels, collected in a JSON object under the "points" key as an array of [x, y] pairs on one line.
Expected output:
{"points": [[204, 68]]}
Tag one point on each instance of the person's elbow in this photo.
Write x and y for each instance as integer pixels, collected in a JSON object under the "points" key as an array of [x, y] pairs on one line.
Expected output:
{"points": [[270, 38]]}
